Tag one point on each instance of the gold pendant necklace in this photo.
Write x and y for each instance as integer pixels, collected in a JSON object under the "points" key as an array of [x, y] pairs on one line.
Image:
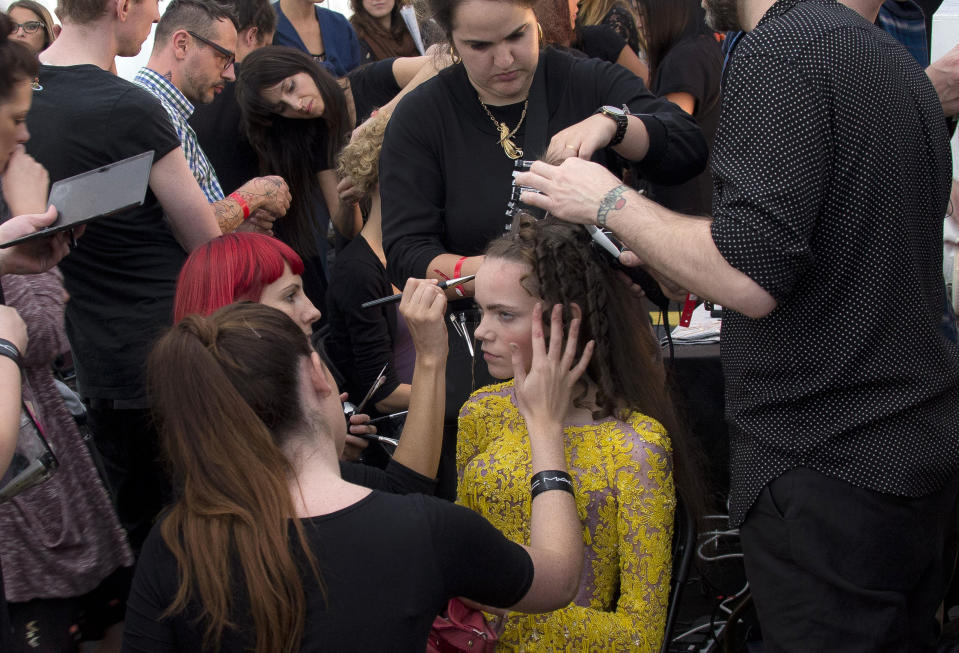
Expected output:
{"points": [[505, 134]]}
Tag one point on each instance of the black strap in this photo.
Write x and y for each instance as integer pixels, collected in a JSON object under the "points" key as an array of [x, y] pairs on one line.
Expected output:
{"points": [[536, 137]]}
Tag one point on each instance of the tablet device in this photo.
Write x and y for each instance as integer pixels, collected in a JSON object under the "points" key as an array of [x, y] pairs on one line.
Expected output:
{"points": [[96, 194]]}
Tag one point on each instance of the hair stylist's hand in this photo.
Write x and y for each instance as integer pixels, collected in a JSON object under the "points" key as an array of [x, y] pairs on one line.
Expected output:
{"points": [[544, 393], [423, 307], [572, 191], [580, 140], [25, 183]]}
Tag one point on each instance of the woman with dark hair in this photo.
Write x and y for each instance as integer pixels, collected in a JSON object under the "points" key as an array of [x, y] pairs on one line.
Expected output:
{"points": [[385, 30], [33, 24], [622, 439], [296, 118], [452, 143], [268, 549], [685, 66]]}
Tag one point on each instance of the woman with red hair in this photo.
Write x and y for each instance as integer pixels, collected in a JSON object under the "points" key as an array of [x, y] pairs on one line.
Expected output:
{"points": [[244, 266], [259, 268]]}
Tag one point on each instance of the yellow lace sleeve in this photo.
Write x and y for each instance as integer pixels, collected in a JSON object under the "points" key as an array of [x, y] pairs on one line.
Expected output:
{"points": [[629, 547]]}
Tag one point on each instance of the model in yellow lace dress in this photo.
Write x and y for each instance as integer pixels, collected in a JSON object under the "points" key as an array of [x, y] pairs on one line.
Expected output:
{"points": [[622, 473]]}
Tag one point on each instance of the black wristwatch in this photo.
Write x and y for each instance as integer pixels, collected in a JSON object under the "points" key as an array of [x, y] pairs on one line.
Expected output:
{"points": [[620, 117]]}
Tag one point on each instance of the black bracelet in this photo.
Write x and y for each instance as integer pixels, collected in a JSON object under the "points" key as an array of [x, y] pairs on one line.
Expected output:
{"points": [[550, 479], [10, 350]]}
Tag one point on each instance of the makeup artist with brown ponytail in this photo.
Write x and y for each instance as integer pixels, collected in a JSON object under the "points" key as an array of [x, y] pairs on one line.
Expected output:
{"points": [[450, 147]]}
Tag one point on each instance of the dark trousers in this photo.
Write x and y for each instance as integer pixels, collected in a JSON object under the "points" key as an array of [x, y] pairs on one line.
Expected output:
{"points": [[128, 445], [833, 567]]}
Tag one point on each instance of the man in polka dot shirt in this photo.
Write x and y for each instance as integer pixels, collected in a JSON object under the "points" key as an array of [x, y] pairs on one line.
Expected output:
{"points": [[831, 175]]}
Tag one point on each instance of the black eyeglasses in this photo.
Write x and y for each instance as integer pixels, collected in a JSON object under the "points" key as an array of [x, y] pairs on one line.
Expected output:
{"points": [[28, 27], [230, 56]]}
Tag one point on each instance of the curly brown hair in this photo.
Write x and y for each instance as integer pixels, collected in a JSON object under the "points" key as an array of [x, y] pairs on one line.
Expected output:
{"points": [[360, 159], [626, 366]]}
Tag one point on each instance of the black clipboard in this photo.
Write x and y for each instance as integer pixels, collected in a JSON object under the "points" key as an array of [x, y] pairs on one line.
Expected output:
{"points": [[96, 194]]}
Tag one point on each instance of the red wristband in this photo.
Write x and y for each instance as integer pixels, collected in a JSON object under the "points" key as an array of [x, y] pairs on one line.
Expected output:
{"points": [[243, 205], [457, 273]]}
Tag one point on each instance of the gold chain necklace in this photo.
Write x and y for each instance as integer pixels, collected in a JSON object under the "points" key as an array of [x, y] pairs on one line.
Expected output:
{"points": [[505, 135]]}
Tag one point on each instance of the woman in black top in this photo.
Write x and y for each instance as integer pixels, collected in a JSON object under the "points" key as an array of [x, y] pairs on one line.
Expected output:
{"points": [[449, 151], [296, 118], [362, 341], [685, 65], [268, 549]]}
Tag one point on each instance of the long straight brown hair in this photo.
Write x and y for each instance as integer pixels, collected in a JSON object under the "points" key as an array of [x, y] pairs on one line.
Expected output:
{"points": [[224, 391]]}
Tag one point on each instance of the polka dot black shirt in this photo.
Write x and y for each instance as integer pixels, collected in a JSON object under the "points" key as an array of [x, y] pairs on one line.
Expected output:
{"points": [[832, 172]]}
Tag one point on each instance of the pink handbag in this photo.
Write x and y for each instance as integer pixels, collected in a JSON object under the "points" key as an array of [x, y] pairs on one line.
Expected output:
{"points": [[461, 629]]}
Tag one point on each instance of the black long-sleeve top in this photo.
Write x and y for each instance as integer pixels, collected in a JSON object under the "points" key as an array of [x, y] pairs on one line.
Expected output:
{"points": [[445, 180]]}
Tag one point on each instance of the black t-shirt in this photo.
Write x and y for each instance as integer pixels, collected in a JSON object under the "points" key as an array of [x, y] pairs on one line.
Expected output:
{"points": [[693, 66], [389, 564], [122, 277], [360, 340], [396, 478], [219, 130], [373, 85]]}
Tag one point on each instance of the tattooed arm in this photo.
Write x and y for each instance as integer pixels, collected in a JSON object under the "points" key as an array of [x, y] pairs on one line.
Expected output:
{"points": [[267, 199], [678, 247]]}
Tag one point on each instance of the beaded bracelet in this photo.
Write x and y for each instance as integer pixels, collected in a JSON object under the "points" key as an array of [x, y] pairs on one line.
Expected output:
{"points": [[10, 350], [550, 479]]}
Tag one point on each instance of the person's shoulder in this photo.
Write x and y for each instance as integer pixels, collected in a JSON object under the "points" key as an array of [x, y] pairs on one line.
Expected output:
{"points": [[333, 17], [426, 98], [790, 29], [496, 398], [354, 260], [155, 549], [563, 65], [646, 429], [696, 46], [102, 92]]}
